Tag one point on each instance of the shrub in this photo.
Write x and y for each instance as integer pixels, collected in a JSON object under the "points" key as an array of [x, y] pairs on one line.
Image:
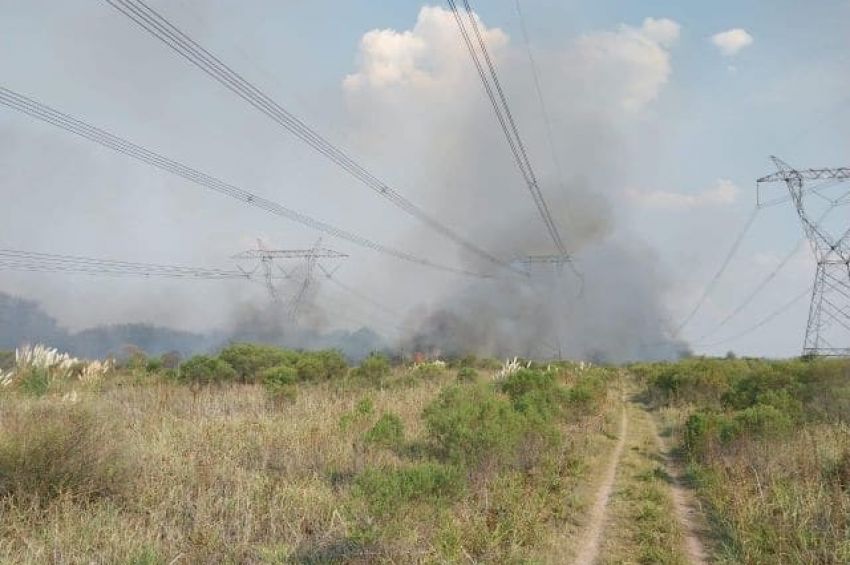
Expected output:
{"points": [[588, 395], [281, 375], [171, 359], [374, 369], [206, 370], [386, 490], [468, 424], [47, 450], [748, 390], [467, 375], [388, 432], [7, 360], [280, 382], [365, 407], [362, 410], [249, 360], [764, 420], [535, 394], [333, 362], [34, 381], [427, 371], [309, 368]]}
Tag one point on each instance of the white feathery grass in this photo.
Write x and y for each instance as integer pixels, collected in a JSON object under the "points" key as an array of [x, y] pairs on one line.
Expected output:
{"points": [[7, 379], [509, 368], [57, 365], [93, 371]]}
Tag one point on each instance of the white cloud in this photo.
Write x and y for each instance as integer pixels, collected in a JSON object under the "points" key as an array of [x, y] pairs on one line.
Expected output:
{"points": [[663, 31], [722, 193], [419, 57], [629, 66], [623, 69], [732, 41]]}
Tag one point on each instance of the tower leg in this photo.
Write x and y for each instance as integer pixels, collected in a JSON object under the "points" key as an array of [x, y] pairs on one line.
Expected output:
{"points": [[828, 329]]}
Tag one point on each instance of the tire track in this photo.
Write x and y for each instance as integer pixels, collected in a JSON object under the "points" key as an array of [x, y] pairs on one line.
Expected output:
{"points": [[683, 504], [592, 534]]}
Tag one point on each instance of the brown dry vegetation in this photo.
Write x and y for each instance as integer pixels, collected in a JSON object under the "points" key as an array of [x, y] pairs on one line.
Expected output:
{"points": [[768, 449], [374, 467]]}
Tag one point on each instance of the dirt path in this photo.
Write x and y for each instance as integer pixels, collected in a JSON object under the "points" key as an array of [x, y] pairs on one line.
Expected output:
{"points": [[684, 504], [593, 532], [641, 512]]}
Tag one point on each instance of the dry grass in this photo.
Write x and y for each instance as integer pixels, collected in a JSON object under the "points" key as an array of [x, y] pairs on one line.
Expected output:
{"points": [[643, 525], [782, 501], [769, 454], [218, 474], [222, 474]]}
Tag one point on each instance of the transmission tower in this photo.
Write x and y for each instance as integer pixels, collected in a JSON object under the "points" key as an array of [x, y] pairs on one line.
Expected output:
{"points": [[267, 262], [828, 327], [533, 266]]}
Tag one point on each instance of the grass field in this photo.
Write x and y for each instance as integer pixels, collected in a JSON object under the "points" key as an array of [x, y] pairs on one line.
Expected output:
{"points": [[260, 455], [768, 449], [263, 456]]}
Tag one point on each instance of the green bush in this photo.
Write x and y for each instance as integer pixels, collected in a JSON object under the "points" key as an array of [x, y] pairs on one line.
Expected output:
{"points": [[386, 491], [751, 388], [362, 410], [7, 360], [206, 370], [364, 407], [374, 369], [468, 424], [697, 380], [309, 368], [249, 360], [387, 432], [47, 450], [279, 382], [764, 420], [427, 371], [536, 394], [467, 375], [279, 376], [587, 396], [334, 365], [34, 381]]}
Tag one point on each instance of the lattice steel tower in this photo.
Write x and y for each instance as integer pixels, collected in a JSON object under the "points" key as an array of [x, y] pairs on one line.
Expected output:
{"points": [[815, 194], [266, 260]]}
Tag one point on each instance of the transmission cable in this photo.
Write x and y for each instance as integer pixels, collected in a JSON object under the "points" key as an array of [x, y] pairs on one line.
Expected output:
{"points": [[45, 113], [158, 26], [770, 276], [711, 283], [781, 310], [756, 291], [498, 99], [17, 260]]}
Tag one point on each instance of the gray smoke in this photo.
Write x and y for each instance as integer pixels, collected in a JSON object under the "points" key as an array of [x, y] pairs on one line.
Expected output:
{"points": [[596, 94], [412, 110]]}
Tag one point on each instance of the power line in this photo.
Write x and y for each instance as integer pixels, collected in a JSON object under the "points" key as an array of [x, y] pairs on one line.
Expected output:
{"points": [[17, 260], [711, 283], [550, 135], [498, 100], [781, 310], [46, 114], [770, 276], [390, 315], [158, 26], [755, 292]]}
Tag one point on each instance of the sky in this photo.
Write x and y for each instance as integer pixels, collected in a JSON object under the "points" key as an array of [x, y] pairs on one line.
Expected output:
{"points": [[663, 115]]}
